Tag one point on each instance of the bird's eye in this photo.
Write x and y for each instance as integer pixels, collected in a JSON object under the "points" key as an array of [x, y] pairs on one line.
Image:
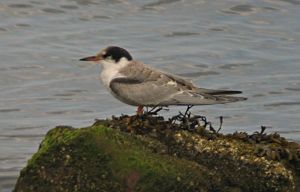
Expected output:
{"points": [[109, 57], [106, 56]]}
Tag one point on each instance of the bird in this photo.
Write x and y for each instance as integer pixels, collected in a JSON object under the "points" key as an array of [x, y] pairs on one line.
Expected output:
{"points": [[137, 84]]}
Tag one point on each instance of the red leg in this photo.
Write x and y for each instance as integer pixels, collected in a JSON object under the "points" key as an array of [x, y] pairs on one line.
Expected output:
{"points": [[140, 110]]}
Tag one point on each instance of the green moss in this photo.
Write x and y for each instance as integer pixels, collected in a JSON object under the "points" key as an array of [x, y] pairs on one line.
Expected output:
{"points": [[150, 154], [57, 136], [103, 159]]}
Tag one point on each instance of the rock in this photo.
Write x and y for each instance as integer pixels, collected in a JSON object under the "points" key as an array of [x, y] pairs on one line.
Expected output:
{"points": [[150, 154]]}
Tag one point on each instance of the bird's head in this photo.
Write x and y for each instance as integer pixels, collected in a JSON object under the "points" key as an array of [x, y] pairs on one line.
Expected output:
{"points": [[111, 55]]}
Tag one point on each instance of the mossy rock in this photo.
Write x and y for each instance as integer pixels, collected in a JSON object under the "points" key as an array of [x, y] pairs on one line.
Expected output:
{"points": [[105, 157]]}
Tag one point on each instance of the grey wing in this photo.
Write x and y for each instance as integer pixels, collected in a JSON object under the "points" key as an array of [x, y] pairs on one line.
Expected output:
{"points": [[149, 87], [162, 92], [200, 96], [192, 98], [147, 93], [202, 90]]}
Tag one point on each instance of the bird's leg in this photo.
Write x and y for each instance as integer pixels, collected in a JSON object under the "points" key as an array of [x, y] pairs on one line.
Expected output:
{"points": [[140, 110]]}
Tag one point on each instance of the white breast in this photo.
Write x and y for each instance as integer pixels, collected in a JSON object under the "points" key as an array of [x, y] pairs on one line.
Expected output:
{"points": [[111, 71], [109, 74]]}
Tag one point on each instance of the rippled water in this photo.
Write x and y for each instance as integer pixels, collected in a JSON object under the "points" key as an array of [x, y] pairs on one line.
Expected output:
{"points": [[251, 46]]}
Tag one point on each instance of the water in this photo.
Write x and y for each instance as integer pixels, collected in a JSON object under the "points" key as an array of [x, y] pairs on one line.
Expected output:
{"points": [[251, 46]]}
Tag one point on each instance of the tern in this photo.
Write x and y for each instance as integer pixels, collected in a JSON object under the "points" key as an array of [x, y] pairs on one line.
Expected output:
{"points": [[134, 83]]}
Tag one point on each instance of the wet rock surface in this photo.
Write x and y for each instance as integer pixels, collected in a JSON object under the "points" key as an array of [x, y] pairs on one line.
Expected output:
{"points": [[149, 153]]}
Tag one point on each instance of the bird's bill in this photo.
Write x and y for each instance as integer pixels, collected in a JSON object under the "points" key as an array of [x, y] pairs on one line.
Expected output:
{"points": [[91, 58]]}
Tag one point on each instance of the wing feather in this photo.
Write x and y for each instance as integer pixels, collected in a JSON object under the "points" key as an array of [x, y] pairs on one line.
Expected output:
{"points": [[141, 85], [135, 92]]}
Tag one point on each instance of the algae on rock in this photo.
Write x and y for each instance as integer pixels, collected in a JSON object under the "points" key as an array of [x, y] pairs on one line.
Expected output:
{"points": [[103, 159], [151, 154]]}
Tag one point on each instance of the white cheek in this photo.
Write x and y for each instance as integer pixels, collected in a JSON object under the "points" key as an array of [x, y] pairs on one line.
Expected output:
{"points": [[107, 64], [111, 70]]}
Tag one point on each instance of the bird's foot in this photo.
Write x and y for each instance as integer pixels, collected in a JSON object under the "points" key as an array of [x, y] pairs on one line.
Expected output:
{"points": [[140, 110]]}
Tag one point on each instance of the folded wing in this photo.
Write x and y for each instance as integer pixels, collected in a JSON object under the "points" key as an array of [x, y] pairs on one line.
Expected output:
{"points": [[151, 88]]}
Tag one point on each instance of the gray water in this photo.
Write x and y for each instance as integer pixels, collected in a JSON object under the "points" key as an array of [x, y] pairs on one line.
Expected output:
{"points": [[253, 46]]}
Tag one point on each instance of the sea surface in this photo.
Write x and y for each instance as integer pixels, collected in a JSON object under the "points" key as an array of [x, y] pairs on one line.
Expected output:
{"points": [[247, 45]]}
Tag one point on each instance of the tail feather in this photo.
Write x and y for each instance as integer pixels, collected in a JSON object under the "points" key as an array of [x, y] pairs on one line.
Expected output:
{"points": [[217, 92], [190, 98], [229, 99]]}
